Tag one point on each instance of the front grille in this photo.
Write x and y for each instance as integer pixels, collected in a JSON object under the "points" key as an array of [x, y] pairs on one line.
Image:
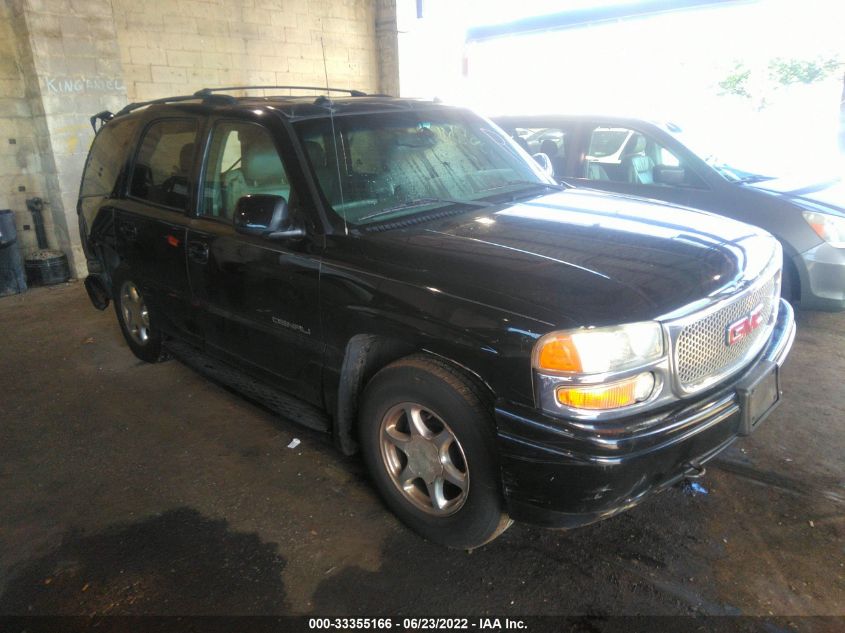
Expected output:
{"points": [[701, 349]]}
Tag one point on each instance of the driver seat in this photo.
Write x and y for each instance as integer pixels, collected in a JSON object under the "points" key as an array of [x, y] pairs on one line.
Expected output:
{"points": [[637, 166], [261, 172]]}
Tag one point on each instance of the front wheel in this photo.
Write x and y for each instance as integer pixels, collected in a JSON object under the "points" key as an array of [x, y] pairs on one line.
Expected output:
{"points": [[427, 439], [137, 321]]}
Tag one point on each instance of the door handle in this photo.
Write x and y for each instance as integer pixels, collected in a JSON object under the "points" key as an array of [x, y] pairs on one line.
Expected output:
{"points": [[198, 252], [129, 230]]}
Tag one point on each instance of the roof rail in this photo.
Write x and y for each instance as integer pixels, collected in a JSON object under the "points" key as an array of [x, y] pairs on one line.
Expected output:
{"points": [[140, 104], [205, 92]]}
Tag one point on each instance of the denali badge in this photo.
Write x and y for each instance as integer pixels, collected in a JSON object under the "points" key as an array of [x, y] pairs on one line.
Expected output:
{"points": [[292, 326], [746, 325]]}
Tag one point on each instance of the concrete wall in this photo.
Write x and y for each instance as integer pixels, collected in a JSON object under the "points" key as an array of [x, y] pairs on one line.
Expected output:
{"points": [[20, 159], [63, 60], [169, 47], [68, 59], [387, 41]]}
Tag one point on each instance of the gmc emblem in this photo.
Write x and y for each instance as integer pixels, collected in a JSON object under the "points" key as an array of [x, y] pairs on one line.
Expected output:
{"points": [[746, 325]]}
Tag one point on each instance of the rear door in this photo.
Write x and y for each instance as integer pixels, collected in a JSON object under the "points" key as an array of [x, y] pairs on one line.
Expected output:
{"points": [[151, 221], [259, 298]]}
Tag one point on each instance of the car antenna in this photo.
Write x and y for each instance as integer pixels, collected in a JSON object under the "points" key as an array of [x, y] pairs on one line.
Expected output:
{"points": [[334, 139]]}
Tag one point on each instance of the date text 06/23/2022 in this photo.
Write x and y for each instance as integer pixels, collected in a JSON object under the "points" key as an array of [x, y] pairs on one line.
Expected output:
{"points": [[413, 624]]}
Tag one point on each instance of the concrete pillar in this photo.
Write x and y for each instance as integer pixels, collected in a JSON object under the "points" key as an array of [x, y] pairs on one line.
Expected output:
{"points": [[70, 63], [20, 159], [387, 47]]}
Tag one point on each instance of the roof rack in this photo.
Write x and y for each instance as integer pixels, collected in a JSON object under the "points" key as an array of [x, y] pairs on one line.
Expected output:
{"points": [[208, 91], [140, 104], [208, 94], [103, 117]]}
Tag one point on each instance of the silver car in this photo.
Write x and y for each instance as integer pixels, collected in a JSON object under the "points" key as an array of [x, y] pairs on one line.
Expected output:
{"points": [[653, 160]]}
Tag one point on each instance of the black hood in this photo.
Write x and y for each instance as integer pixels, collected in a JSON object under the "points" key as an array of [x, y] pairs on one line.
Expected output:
{"points": [[577, 257]]}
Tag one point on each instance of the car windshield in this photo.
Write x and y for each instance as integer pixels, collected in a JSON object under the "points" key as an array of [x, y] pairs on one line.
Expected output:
{"points": [[731, 165], [380, 167]]}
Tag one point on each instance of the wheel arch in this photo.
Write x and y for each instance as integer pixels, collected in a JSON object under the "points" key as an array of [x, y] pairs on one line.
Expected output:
{"points": [[364, 356]]}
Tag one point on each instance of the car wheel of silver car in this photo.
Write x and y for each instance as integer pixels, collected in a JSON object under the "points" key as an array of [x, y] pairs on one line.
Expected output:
{"points": [[426, 435], [136, 318]]}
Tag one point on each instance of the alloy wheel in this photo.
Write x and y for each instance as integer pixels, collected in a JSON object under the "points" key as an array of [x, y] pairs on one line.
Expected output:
{"points": [[136, 317], [424, 459]]}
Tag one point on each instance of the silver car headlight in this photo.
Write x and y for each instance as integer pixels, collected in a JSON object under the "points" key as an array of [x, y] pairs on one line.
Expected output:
{"points": [[831, 228]]}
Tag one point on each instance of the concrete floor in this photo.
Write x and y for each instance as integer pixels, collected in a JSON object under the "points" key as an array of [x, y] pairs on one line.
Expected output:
{"points": [[128, 488]]}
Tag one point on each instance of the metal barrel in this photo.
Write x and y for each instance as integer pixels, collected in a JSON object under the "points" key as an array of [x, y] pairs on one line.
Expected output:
{"points": [[12, 280]]}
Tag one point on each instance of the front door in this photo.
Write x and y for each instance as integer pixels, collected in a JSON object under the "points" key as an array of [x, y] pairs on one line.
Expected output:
{"points": [[258, 296], [629, 161]]}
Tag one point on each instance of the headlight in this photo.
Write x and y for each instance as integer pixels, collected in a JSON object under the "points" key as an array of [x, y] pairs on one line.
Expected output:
{"points": [[831, 228], [599, 350]]}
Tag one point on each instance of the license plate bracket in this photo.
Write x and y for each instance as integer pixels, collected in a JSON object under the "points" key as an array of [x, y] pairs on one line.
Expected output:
{"points": [[759, 394]]}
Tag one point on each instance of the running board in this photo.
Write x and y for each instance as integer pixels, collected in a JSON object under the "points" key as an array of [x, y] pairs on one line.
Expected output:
{"points": [[276, 400]]}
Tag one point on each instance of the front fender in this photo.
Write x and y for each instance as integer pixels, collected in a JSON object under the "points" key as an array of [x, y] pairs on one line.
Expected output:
{"points": [[490, 342]]}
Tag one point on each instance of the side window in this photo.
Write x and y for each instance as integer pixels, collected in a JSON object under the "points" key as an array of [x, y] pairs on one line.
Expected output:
{"points": [[624, 155], [106, 157], [242, 160], [105, 160], [162, 172], [551, 141], [667, 158]]}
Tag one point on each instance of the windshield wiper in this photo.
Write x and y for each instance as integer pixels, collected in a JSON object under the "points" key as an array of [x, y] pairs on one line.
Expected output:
{"points": [[557, 187], [755, 178], [523, 192], [418, 202]]}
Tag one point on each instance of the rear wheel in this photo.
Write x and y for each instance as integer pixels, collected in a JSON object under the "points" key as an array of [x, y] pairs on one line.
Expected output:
{"points": [[427, 439], [137, 321]]}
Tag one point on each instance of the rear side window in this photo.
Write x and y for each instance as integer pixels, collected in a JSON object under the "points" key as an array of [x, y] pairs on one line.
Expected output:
{"points": [[163, 167], [106, 158]]}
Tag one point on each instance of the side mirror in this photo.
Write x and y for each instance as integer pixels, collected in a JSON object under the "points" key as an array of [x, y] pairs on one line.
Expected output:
{"points": [[675, 176], [545, 162], [266, 216]]}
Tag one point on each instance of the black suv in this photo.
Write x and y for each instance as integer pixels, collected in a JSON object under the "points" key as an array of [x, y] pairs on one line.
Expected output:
{"points": [[402, 276]]}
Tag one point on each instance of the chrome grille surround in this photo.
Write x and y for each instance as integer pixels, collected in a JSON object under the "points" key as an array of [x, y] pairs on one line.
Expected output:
{"points": [[700, 353]]}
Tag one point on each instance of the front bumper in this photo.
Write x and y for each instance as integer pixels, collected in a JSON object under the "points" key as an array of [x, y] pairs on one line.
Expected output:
{"points": [[558, 475], [821, 271]]}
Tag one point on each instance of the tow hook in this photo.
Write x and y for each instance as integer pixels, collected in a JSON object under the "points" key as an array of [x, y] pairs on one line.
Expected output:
{"points": [[694, 470]]}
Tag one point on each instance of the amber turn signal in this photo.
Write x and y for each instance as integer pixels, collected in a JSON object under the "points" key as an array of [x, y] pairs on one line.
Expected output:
{"points": [[608, 396]]}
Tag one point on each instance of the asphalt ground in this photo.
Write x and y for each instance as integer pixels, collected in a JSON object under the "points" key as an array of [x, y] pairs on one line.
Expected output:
{"points": [[128, 488]]}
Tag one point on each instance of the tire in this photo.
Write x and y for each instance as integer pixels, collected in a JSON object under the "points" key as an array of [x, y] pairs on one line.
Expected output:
{"points": [[136, 318], [443, 482]]}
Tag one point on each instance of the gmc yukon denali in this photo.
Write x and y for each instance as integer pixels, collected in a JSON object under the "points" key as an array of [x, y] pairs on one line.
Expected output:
{"points": [[402, 276]]}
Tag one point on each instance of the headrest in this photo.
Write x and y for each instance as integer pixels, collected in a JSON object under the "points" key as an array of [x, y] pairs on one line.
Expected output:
{"points": [[260, 162], [548, 147], [186, 158], [315, 153], [636, 145]]}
